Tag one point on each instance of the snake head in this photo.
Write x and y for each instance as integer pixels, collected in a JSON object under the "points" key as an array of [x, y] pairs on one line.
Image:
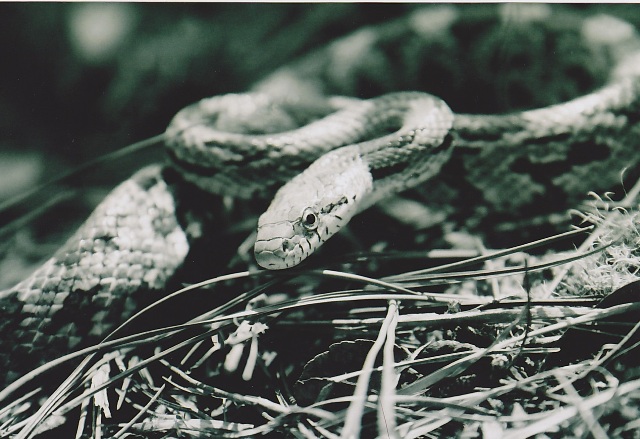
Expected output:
{"points": [[311, 208]]}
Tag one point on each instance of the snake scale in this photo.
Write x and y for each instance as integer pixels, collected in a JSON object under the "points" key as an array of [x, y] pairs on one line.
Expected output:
{"points": [[249, 145]]}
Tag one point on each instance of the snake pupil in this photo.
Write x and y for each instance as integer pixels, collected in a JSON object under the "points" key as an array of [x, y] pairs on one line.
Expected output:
{"points": [[309, 219]]}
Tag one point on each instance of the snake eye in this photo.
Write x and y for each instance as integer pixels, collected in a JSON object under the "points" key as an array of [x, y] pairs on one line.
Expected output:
{"points": [[310, 219]]}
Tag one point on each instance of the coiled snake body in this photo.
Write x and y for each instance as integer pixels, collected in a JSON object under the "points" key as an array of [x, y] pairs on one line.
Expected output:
{"points": [[343, 182], [135, 242]]}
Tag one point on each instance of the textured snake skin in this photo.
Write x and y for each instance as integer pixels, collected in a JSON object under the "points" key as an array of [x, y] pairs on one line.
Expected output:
{"points": [[134, 242], [83, 291]]}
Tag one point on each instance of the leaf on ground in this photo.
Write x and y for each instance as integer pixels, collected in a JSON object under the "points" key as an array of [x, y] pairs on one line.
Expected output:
{"points": [[317, 381]]}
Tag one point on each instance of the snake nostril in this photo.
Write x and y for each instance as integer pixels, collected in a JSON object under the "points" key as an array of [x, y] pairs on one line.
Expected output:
{"points": [[287, 245]]}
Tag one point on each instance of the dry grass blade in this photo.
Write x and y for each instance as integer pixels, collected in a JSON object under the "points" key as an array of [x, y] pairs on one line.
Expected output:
{"points": [[353, 417]]}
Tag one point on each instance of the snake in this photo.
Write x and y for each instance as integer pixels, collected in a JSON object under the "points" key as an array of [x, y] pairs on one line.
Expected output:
{"points": [[321, 156], [342, 182]]}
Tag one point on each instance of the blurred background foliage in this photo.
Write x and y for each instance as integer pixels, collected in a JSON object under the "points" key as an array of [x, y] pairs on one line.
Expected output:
{"points": [[82, 79]]}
